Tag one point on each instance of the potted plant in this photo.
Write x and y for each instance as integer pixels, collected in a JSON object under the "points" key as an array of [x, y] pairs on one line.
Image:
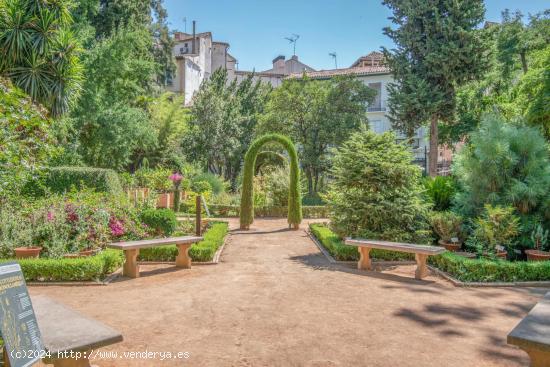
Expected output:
{"points": [[27, 252], [539, 239], [447, 226], [496, 229]]}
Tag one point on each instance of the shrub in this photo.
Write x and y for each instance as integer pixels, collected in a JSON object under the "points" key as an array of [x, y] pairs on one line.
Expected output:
{"points": [[497, 227], [68, 223], [201, 187], [154, 179], [539, 238], [294, 201], [504, 164], [201, 251], [440, 191], [484, 270], [217, 184], [60, 180], [446, 225], [336, 247], [376, 192], [161, 221], [79, 269]]}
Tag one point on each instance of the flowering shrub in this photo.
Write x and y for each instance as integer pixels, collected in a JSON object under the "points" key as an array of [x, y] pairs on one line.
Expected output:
{"points": [[63, 224]]}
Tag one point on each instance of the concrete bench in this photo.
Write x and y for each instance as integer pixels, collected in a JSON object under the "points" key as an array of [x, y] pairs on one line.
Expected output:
{"points": [[421, 252], [532, 334], [131, 251], [65, 330]]}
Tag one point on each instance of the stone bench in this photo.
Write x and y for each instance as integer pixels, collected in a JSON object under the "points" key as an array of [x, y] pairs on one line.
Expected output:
{"points": [[131, 251], [532, 334], [421, 252], [65, 330]]}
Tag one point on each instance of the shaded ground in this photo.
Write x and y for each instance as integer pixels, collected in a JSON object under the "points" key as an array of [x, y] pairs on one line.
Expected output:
{"points": [[275, 301]]}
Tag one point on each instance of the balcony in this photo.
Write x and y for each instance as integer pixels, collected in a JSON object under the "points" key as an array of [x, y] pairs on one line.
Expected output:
{"points": [[377, 106]]}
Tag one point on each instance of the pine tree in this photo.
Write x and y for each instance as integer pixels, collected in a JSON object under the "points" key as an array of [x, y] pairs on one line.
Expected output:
{"points": [[438, 49]]}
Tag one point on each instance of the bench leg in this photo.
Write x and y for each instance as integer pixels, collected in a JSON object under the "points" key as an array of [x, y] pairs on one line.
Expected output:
{"points": [[70, 362], [364, 258], [131, 267], [538, 357], [421, 268], [183, 260]]}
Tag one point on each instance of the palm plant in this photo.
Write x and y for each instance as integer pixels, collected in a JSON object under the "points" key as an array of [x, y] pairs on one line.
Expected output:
{"points": [[38, 52]]}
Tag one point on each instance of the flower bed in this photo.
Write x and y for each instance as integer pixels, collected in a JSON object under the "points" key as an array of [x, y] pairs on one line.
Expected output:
{"points": [[80, 269], [459, 267], [201, 251]]}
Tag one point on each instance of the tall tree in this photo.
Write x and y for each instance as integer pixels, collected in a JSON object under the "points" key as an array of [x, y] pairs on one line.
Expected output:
{"points": [[317, 115], [438, 49], [223, 118], [116, 14], [39, 53]]}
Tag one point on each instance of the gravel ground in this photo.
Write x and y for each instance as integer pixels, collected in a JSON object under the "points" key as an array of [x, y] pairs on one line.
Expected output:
{"points": [[274, 300]]}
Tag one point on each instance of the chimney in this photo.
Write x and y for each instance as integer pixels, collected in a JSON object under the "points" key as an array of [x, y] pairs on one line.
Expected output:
{"points": [[193, 41], [279, 64]]}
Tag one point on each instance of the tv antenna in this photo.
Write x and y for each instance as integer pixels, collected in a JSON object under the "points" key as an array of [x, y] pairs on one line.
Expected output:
{"points": [[333, 55], [292, 39]]}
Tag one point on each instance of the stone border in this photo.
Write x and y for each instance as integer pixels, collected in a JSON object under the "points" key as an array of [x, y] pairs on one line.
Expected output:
{"points": [[442, 274], [118, 273]]}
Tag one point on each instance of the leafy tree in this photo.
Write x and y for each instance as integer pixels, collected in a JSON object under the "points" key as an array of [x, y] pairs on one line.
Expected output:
{"points": [[39, 53], [438, 49], [26, 138], [516, 82], [504, 164], [111, 120], [114, 15], [162, 44], [317, 115], [223, 117], [376, 190]]}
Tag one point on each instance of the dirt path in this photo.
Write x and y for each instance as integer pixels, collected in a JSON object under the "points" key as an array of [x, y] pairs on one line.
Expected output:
{"points": [[275, 301]]}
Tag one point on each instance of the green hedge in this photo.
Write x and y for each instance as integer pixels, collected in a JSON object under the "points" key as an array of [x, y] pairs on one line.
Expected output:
{"points": [[201, 251], [80, 269], [342, 252], [161, 220], [483, 270], [317, 212], [63, 179]]}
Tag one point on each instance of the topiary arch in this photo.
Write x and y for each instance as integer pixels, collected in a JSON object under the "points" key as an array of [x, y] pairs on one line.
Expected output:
{"points": [[247, 195]]}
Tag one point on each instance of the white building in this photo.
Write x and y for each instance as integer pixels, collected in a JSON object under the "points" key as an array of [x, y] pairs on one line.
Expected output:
{"points": [[198, 56], [370, 69]]}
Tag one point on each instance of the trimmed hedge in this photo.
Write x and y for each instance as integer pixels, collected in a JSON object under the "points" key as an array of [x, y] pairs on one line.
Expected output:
{"points": [[336, 247], [316, 212], [64, 179], [201, 251], [483, 270], [80, 269], [459, 267], [247, 194], [163, 221]]}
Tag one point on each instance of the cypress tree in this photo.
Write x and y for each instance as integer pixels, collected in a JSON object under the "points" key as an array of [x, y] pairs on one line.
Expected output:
{"points": [[247, 195], [437, 49]]}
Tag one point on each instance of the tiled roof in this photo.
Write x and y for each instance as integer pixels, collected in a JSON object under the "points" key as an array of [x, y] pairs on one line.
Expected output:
{"points": [[360, 71]]}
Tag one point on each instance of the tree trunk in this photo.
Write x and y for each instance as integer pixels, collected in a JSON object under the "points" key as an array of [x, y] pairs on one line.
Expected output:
{"points": [[523, 61], [309, 177], [434, 144]]}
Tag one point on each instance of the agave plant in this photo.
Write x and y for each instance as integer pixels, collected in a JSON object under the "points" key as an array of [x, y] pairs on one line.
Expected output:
{"points": [[39, 53]]}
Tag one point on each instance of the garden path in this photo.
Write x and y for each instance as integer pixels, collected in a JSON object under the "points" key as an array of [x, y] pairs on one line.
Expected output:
{"points": [[274, 300]]}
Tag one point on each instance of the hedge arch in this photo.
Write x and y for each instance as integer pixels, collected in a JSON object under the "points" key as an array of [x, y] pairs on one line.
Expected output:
{"points": [[247, 195]]}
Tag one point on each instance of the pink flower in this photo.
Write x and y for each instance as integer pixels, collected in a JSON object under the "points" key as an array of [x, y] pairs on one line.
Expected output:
{"points": [[117, 228], [71, 213], [176, 178], [50, 216]]}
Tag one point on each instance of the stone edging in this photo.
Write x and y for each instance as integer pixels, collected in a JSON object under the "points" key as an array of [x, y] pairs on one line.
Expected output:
{"points": [[442, 274]]}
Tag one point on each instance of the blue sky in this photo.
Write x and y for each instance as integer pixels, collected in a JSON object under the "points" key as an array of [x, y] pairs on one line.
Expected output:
{"points": [[256, 29]]}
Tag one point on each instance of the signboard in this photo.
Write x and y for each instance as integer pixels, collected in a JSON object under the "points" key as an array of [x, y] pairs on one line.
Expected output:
{"points": [[17, 320]]}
